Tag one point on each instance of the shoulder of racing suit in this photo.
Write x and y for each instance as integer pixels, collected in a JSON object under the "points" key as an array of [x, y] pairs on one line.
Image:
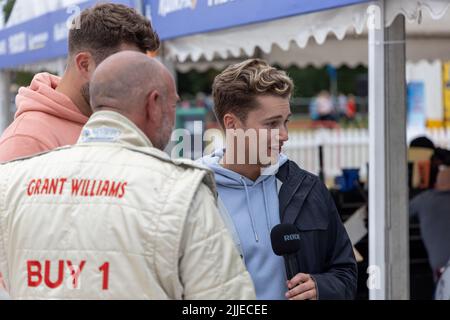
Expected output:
{"points": [[208, 179]]}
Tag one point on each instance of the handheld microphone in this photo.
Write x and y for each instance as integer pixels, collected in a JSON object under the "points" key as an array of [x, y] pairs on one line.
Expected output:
{"points": [[286, 242], [321, 166]]}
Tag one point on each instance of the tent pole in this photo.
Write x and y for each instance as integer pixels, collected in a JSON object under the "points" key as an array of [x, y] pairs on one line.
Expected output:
{"points": [[388, 192], [397, 173], [139, 6], [377, 260], [5, 112]]}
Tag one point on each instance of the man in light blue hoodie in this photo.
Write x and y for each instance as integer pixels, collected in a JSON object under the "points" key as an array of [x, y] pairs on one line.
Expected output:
{"points": [[248, 197], [253, 208], [260, 188]]}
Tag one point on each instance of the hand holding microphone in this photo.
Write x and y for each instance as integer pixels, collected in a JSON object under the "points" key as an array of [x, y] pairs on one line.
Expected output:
{"points": [[286, 242]]}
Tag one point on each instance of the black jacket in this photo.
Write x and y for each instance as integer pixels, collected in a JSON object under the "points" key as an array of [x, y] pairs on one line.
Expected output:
{"points": [[326, 252]]}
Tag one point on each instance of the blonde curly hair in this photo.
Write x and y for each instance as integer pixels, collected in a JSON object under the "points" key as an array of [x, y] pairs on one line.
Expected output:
{"points": [[235, 90]]}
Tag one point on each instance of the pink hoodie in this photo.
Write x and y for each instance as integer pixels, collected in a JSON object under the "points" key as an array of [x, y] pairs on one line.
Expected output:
{"points": [[45, 120]]}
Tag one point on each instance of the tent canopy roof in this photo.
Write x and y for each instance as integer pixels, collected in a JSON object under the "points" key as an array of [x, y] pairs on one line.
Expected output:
{"points": [[296, 32], [299, 40]]}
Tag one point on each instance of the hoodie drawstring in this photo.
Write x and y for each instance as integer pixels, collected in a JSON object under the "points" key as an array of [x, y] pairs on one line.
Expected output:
{"points": [[250, 211], [266, 207]]}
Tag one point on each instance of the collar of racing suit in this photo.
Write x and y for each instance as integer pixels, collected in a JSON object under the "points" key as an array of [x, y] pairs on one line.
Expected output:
{"points": [[112, 127]]}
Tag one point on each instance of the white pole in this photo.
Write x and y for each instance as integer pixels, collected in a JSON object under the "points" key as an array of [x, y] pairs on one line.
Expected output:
{"points": [[139, 6], [388, 189], [377, 179], [5, 102]]}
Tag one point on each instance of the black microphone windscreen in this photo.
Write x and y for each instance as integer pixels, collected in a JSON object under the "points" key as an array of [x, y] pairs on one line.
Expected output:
{"points": [[285, 239]]}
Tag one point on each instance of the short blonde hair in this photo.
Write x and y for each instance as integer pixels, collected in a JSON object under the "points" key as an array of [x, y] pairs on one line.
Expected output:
{"points": [[235, 90]]}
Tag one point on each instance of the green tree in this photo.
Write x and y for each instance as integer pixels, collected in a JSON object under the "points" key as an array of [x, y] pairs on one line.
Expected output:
{"points": [[309, 81], [193, 82], [7, 9]]}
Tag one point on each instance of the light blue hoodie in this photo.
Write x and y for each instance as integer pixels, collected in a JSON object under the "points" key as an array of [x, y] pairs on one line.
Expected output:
{"points": [[254, 210]]}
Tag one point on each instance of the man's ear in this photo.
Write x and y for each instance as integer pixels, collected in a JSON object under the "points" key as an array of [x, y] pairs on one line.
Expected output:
{"points": [[151, 108], [231, 122], [85, 64]]}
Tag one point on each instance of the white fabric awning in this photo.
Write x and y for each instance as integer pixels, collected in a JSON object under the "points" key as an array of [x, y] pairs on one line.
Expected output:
{"points": [[351, 52], [311, 30]]}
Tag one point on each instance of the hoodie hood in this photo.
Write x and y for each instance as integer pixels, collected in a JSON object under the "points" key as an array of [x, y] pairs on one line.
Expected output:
{"points": [[41, 96], [232, 179], [229, 179]]}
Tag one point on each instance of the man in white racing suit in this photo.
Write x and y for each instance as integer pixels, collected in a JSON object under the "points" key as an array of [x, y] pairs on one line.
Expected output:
{"points": [[113, 217]]}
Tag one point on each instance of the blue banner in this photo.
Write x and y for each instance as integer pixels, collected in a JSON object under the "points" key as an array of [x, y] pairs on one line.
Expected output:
{"points": [[43, 38], [177, 18]]}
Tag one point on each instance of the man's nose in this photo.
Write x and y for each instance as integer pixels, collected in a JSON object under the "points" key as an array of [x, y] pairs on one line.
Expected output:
{"points": [[284, 134]]}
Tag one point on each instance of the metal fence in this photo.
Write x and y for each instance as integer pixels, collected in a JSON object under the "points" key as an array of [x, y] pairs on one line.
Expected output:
{"points": [[344, 148]]}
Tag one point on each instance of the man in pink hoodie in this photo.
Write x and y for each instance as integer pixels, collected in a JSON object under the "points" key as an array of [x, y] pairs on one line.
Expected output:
{"points": [[52, 111]]}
